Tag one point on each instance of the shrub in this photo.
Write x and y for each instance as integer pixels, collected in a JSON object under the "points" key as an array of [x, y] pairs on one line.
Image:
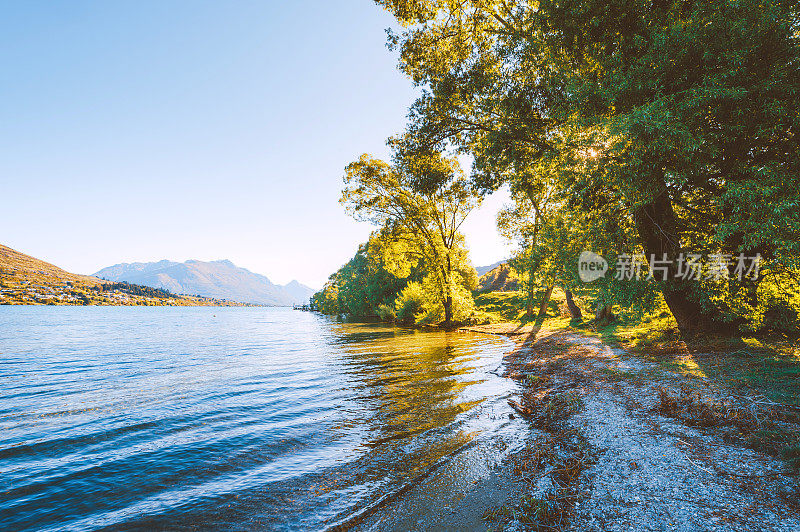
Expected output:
{"points": [[386, 313], [781, 317], [463, 304], [421, 303], [410, 304]]}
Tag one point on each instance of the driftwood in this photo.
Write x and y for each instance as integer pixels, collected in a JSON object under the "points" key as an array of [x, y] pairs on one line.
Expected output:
{"points": [[521, 410]]}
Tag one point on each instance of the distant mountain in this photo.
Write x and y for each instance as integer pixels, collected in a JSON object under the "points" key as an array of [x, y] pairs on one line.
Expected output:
{"points": [[220, 279], [300, 293], [26, 280], [486, 269]]}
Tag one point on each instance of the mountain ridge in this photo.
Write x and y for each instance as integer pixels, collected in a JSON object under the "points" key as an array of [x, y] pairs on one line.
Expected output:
{"points": [[26, 280], [482, 270], [220, 279]]}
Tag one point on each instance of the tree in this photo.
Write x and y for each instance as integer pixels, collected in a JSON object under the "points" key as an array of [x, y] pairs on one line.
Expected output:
{"points": [[419, 217], [327, 299], [363, 284], [682, 116], [551, 238]]}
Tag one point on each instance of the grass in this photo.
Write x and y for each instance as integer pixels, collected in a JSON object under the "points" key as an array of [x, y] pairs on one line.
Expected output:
{"points": [[769, 428], [503, 307], [762, 366]]}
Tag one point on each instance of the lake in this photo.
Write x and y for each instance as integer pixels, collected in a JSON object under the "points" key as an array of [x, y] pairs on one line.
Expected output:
{"points": [[229, 418]]}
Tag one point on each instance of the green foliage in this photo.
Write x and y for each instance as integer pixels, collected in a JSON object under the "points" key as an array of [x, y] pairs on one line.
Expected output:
{"points": [[420, 303], [506, 305], [462, 303], [135, 289], [327, 299], [629, 126], [410, 304], [386, 313], [364, 284], [419, 203], [782, 317]]}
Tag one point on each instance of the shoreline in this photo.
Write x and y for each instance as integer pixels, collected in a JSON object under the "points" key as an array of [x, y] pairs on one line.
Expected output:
{"points": [[456, 492], [214, 303], [604, 452]]}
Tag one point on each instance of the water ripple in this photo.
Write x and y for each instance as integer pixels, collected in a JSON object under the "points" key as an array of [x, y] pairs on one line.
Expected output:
{"points": [[225, 418]]}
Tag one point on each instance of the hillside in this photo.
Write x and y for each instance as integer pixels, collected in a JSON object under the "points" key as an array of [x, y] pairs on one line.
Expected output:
{"points": [[26, 280], [218, 279], [482, 270], [501, 278]]}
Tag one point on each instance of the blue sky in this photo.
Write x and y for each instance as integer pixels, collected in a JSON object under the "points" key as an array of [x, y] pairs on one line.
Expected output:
{"points": [[139, 131]]}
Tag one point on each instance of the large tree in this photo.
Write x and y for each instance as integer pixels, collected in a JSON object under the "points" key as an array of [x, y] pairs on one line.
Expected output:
{"points": [[683, 117]]}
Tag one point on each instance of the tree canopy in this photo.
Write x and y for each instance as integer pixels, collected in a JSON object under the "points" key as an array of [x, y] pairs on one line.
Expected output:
{"points": [[419, 218], [678, 120]]}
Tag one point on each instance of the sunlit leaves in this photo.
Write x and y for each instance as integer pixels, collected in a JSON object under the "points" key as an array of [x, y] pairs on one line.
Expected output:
{"points": [[420, 203]]}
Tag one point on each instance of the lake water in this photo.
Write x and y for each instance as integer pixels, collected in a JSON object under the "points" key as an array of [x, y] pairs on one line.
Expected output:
{"points": [[228, 418]]}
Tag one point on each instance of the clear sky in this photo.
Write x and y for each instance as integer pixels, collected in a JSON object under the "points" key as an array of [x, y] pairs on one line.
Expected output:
{"points": [[148, 130]]}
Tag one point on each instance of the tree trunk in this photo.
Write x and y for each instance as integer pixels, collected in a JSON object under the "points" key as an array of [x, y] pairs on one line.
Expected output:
{"points": [[657, 226], [448, 295], [574, 310], [529, 305], [603, 315], [544, 302], [531, 291]]}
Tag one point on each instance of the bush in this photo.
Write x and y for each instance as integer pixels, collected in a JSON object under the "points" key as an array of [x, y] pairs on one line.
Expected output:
{"points": [[781, 317], [463, 304], [386, 313], [421, 303], [410, 304]]}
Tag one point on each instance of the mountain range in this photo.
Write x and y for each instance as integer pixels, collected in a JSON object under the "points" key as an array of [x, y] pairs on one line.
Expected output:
{"points": [[220, 279], [26, 280]]}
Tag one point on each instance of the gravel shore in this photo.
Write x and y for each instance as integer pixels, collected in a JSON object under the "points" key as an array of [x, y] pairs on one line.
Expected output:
{"points": [[602, 455]]}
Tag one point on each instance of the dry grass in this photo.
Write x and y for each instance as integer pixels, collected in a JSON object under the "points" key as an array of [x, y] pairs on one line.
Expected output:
{"points": [[546, 410], [562, 456], [760, 424], [695, 411]]}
